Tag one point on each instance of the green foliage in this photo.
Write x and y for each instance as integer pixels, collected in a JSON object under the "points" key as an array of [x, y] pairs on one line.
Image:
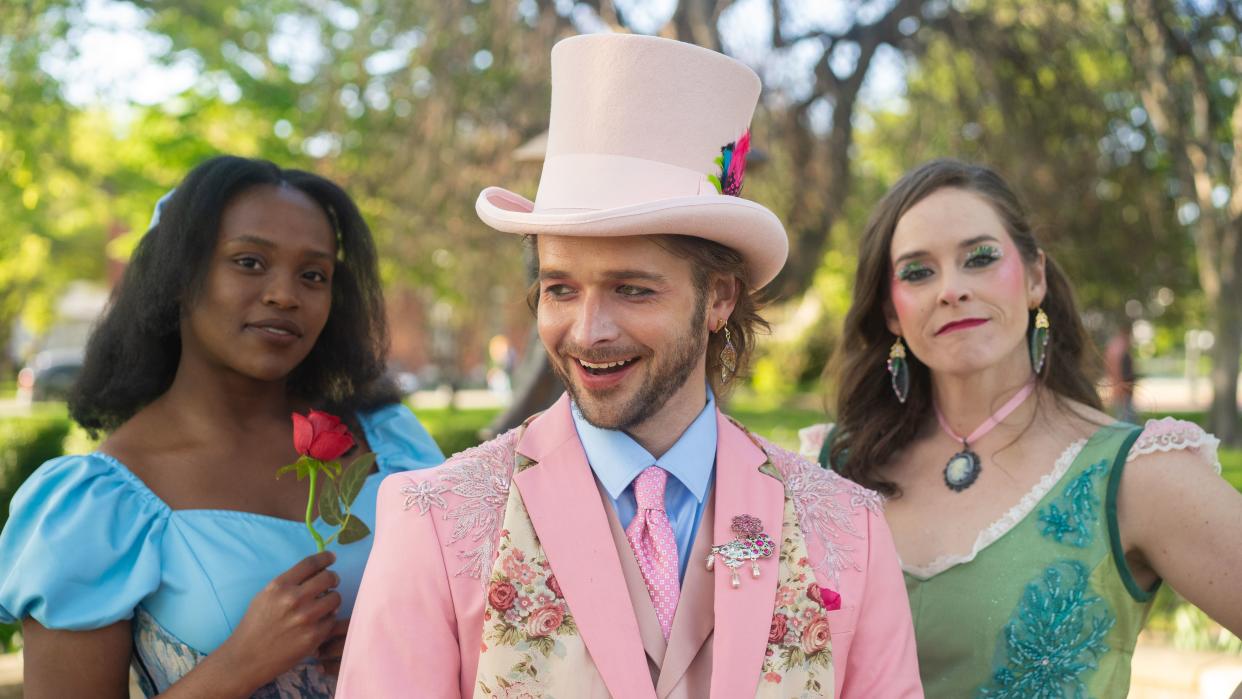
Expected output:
{"points": [[1231, 466], [25, 443], [1183, 625], [10, 637], [455, 430]]}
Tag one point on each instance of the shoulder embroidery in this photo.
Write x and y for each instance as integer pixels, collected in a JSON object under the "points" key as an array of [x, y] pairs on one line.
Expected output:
{"points": [[479, 477], [826, 504]]}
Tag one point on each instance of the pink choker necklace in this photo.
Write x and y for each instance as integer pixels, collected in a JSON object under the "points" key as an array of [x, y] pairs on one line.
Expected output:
{"points": [[963, 468]]}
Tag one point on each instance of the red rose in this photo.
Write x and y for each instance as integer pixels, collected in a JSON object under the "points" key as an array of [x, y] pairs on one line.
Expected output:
{"points": [[815, 636], [554, 586], [813, 592], [321, 436], [777, 631], [542, 622], [501, 594]]}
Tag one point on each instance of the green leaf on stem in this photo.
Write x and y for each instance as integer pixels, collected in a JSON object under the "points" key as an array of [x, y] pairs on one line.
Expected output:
{"points": [[302, 466], [354, 530], [356, 476], [330, 503]]}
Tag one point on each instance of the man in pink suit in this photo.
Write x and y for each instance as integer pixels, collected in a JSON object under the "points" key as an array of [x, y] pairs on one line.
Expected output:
{"points": [[633, 541]]}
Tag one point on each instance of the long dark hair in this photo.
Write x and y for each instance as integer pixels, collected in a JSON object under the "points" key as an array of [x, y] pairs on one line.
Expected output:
{"points": [[133, 353], [872, 426]]}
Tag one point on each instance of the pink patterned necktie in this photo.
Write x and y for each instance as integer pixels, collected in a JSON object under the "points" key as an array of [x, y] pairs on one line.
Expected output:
{"points": [[651, 536]]}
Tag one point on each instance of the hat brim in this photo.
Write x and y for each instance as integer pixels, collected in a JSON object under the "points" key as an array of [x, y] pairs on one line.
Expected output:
{"points": [[734, 222]]}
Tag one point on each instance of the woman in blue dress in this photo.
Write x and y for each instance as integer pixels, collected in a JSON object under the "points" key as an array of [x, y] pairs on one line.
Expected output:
{"points": [[173, 548]]}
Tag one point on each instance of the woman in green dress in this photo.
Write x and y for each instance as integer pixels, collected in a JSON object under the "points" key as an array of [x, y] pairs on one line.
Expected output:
{"points": [[1033, 529]]}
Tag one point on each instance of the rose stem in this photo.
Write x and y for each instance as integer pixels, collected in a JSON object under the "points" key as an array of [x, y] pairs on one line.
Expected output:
{"points": [[310, 508]]}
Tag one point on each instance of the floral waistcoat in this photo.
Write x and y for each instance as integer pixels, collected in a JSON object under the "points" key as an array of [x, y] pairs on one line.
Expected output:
{"points": [[531, 645]]}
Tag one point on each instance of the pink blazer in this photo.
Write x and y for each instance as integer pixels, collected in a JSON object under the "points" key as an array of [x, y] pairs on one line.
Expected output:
{"points": [[416, 628]]}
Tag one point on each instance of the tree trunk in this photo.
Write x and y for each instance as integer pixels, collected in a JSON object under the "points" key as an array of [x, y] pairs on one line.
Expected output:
{"points": [[1223, 415]]}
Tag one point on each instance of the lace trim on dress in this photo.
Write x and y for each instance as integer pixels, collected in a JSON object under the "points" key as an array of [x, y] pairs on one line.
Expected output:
{"points": [[826, 504], [811, 439], [479, 477], [1164, 435], [1169, 434], [1007, 521]]}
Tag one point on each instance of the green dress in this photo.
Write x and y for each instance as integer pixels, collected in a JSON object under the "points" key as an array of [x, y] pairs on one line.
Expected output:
{"points": [[1045, 607]]}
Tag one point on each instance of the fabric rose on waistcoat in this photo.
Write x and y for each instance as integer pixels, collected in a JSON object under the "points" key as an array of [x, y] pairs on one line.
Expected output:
{"points": [[501, 594], [777, 631], [543, 621], [815, 636]]}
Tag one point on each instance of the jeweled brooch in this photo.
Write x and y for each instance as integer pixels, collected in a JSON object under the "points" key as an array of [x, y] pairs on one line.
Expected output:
{"points": [[751, 544]]}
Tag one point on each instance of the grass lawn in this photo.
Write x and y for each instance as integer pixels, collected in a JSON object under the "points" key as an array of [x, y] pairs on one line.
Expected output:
{"points": [[1231, 466]]}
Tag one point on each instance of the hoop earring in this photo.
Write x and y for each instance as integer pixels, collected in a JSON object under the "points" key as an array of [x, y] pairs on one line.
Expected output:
{"points": [[728, 356], [1039, 341], [899, 370]]}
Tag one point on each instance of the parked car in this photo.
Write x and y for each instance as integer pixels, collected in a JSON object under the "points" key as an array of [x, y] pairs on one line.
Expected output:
{"points": [[49, 375]]}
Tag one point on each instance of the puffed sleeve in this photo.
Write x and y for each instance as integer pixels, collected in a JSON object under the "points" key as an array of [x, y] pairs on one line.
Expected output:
{"points": [[82, 545], [399, 440], [1169, 434], [811, 439]]}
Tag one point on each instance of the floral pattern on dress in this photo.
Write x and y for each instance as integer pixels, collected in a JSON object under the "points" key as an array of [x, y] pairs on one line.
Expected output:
{"points": [[161, 659], [1071, 518], [799, 639], [1055, 636]]}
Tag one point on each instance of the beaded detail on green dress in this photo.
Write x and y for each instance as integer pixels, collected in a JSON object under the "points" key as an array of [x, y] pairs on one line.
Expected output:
{"points": [[1057, 634], [1072, 518], [1048, 581]]}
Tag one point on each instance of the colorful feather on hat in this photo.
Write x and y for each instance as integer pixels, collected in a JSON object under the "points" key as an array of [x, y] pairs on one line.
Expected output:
{"points": [[732, 164]]}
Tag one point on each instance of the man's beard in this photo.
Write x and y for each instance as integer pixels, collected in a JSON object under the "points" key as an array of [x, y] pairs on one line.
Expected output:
{"points": [[664, 378]]}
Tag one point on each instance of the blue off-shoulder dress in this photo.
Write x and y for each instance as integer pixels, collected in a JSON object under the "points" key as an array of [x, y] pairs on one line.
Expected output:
{"points": [[87, 544]]}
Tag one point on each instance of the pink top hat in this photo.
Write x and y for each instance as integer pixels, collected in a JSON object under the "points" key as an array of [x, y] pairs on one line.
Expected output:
{"points": [[646, 136]]}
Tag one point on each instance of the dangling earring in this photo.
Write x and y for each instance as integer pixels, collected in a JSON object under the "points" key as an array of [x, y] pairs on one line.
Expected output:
{"points": [[899, 370], [1039, 340], [728, 355]]}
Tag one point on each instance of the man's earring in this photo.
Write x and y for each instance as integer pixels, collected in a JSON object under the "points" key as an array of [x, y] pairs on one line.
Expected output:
{"points": [[899, 370], [728, 355]]}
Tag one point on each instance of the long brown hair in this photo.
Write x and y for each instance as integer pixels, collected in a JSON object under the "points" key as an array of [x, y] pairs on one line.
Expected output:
{"points": [[872, 426], [707, 258]]}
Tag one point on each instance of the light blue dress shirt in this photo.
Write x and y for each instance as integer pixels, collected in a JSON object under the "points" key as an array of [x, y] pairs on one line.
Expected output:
{"points": [[617, 460]]}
